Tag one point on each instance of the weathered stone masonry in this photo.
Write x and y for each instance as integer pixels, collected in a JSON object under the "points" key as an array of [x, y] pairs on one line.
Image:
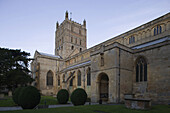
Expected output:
{"points": [[136, 62]]}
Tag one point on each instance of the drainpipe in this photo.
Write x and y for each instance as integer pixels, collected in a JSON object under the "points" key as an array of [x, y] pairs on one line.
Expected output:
{"points": [[84, 77], [119, 79]]}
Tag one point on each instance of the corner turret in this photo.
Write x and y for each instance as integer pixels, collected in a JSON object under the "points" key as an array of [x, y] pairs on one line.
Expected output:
{"points": [[66, 15], [84, 23]]}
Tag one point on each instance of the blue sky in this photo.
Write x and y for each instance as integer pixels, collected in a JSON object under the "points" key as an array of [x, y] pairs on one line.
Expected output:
{"points": [[29, 25]]}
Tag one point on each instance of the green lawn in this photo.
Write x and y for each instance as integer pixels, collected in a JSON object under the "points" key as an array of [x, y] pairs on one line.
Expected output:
{"points": [[96, 109], [49, 100], [7, 101]]}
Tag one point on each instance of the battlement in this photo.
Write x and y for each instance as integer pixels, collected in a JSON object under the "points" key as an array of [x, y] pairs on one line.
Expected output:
{"points": [[70, 21], [70, 37]]}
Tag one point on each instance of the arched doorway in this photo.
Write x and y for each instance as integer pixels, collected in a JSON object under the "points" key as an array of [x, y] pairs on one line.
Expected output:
{"points": [[103, 87]]}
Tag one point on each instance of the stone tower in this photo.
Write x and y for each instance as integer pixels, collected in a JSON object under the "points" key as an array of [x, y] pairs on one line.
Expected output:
{"points": [[70, 37]]}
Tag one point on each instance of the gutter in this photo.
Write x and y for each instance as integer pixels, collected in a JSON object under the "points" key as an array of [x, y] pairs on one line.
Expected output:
{"points": [[119, 79]]}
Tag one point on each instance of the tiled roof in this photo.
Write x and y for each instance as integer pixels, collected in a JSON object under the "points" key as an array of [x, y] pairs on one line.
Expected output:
{"points": [[49, 55], [78, 65]]}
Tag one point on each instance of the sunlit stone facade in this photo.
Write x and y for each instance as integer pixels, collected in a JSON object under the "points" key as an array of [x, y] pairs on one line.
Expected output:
{"points": [[136, 62]]}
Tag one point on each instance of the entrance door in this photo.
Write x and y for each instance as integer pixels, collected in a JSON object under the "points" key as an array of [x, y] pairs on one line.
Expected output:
{"points": [[104, 87]]}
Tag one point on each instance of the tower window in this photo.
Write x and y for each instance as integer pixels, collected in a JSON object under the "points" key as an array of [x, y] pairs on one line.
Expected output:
{"points": [[79, 31], [62, 40], [80, 49], [76, 40], [71, 39], [80, 42], [72, 47]]}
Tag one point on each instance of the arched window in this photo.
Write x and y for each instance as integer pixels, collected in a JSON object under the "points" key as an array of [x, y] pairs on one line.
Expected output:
{"points": [[49, 78], [80, 41], [63, 77], [160, 29], [62, 40], [72, 47], [58, 80], [157, 30], [141, 70], [79, 78], [71, 39], [131, 40], [76, 40], [79, 31], [88, 77], [71, 82]]}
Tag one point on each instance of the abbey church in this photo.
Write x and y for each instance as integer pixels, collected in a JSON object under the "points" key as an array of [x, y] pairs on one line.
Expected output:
{"points": [[136, 62]]}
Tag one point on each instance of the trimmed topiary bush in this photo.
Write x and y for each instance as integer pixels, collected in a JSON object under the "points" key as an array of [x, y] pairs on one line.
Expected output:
{"points": [[29, 98], [78, 97], [16, 93], [63, 96]]}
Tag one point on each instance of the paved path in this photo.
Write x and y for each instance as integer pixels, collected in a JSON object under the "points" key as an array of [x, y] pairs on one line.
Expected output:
{"points": [[50, 106], [10, 108]]}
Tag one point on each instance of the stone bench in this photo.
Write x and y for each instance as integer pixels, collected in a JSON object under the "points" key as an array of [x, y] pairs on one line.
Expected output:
{"points": [[138, 103]]}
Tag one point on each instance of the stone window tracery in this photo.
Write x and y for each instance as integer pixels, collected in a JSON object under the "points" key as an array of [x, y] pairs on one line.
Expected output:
{"points": [[141, 70], [131, 40], [71, 82], [79, 78], [80, 42], [58, 80], [71, 39], [88, 77], [49, 78], [157, 30]]}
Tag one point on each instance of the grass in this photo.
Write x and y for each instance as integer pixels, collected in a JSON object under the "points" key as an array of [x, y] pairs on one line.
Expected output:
{"points": [[49, 100], [8, 102], [96, 109]]}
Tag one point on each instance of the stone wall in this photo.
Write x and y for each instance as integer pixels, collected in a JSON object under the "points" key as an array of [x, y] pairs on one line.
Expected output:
{"points": [[44, 64], [157, 86], [126, 70]]}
